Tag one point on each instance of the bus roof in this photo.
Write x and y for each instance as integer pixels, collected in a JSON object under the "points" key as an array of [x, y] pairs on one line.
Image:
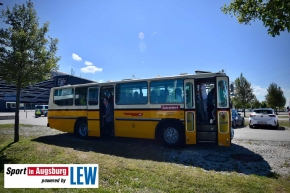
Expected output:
{"points": [[199, 74]]}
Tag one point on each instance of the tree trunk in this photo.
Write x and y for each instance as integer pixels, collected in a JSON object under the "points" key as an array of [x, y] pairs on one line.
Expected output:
{"points": [[16, 125], [244, 109]]}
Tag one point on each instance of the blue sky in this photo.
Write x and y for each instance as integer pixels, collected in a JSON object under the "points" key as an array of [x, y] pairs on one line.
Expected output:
{"points": [[106, 40]]}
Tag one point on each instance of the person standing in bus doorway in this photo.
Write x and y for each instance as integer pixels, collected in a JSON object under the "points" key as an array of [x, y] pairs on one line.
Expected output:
{"points": [[203, 96], [108, 119]]}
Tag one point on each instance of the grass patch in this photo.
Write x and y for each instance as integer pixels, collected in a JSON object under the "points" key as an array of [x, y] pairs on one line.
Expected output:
{"points": [[285, 124], [128, 165], [9, 126], [283, 116]]}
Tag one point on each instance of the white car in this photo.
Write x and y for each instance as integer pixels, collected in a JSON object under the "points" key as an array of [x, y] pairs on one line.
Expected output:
{"points": [[264, 116]]}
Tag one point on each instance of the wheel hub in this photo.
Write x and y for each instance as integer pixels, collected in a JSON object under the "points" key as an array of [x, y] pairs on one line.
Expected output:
{"points": [[83, 130], [171, 135]]}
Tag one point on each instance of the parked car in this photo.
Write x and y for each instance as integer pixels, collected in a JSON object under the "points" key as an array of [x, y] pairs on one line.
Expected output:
{"points": [[263, 116], [237, 119], [41, 110]]}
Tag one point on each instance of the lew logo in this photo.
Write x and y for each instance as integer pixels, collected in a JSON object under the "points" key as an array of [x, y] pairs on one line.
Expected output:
{"points": [[83, 175], [51, 176]]}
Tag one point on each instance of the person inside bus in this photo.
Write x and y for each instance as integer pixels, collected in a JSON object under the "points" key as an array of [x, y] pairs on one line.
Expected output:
{"points": [[162, 97], [178, 93], [166, 93], [153, 96], [83, 100], [199, 107], [136, 98], [122, 99], [211, 103], [203, 98], [108, 119]]}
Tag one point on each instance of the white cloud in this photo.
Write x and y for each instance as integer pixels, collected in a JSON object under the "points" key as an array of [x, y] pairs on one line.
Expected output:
{"points": [[259, 91], [154, 33], [91, 69], [100, 81], [285, 90], [88, 63], [76, 57]]}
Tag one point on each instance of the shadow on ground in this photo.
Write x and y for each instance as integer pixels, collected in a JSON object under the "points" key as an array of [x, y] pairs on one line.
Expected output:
{"points": [[207, 156], [4, 159], [269, 128]]}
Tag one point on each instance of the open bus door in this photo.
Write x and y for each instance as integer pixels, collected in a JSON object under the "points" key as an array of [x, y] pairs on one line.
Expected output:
{"points": [[93, 113], [223, 111], [190, 113]]}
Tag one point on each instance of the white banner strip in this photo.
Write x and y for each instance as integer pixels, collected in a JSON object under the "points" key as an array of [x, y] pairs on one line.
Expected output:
{"points": [[51, 176]]}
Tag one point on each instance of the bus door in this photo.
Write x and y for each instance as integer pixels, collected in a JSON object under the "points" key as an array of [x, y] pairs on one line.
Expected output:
{"points": [[190, 113], [93, 113], [106, 92], [223, 111]]}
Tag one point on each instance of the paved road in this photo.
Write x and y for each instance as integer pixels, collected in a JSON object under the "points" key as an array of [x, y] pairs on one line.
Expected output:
{"points": [[268, 134], [26, 117]]}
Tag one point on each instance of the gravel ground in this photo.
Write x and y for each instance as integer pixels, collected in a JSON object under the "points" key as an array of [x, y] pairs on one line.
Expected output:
{"points": [[263, 158], [244, 157]]}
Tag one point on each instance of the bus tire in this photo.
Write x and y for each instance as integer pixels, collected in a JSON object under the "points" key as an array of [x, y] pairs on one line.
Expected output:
{"points": [[171, 134], [81, 129]]}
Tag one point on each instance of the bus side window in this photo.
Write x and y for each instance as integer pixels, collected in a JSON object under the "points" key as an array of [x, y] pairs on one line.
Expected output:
{"points": [[93, 96], [153, 97], [63, 98], [81, 92], [130, 93]]}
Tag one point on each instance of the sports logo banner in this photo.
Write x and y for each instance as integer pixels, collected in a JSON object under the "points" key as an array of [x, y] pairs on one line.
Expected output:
{"points": [[51, 176]]}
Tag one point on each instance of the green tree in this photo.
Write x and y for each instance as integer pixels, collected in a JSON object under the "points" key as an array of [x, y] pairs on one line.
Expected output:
{"points": [[256, 103], [264, 104], [243, 92], [27, 55], [275, 97], [275, 14], [236, 103]]}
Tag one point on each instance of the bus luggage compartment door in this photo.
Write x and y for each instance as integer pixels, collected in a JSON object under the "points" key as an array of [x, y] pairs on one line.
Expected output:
{"points": [[93, 114], [190, 131]]}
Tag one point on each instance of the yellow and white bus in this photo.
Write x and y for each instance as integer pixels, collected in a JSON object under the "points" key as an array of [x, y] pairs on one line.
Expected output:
{"points": [[168, 109]]}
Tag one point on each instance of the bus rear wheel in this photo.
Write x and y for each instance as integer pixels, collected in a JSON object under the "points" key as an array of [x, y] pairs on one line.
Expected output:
{"points": [[81, 129], [171, 134]]}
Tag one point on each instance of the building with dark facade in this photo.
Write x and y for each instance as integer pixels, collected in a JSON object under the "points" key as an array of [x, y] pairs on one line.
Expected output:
{"points": [[35, 94]]}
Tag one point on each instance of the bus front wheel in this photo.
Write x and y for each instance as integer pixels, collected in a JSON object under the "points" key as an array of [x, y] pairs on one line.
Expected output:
{"points": [[81, 129], [171, 134]]}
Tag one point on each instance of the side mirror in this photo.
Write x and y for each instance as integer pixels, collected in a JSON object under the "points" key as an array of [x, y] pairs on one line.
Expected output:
{"points": [[231, 87], [239, 114]]}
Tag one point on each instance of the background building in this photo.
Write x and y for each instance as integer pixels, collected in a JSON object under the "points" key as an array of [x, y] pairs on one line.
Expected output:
{"points": [[35, 94]]}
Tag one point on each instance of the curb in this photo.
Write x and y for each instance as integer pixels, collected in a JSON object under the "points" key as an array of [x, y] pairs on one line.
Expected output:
{"points": [[7, 117]]}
